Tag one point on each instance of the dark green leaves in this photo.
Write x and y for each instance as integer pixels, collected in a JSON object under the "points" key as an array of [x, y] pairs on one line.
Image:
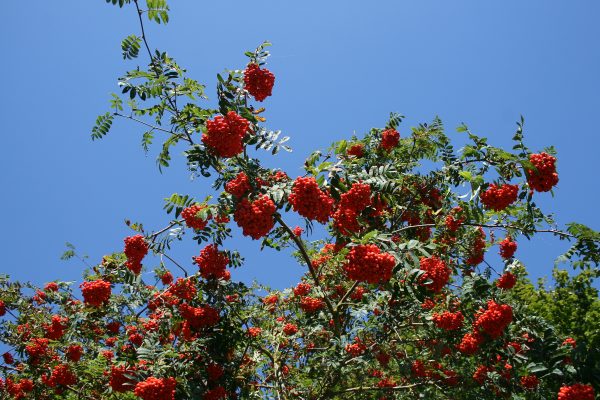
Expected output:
{"points": [[103, 124], [120, 3], [131, 47]]}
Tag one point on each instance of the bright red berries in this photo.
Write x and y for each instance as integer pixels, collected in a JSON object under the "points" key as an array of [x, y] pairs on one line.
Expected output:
{"points": [[545, 178], [290, 329], [389, 139], [356, 349], [436, 271], [120, 380], [357, 198], [507, 248], [2, 308], [255, 218], [258, 81], [308, 200], [448, 321], [156, 389], [366, 263], [61, 375], [470, 343], [302, 289], [225, 134], [357, 150], [136, 249], [494, 319], [74, 352], [212, 263], [95, 293], [238, 186], [192, 219], [506, 281], [199, 317], [497, 198], [311, 304], [577, 391]]}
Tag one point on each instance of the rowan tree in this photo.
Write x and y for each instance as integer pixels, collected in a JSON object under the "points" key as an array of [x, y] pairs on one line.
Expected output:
{"points": [[399, 300]]}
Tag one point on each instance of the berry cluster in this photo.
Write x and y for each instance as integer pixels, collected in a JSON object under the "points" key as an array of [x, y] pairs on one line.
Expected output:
{"points": [[61, 375], [448, 321], [255, 218], [497, 198], [156, 389], [470, 343], [95, 293], [310, 201], [477, 249], [351, 204], [356, 349], [225, 134], [494, 319], [302, 289], [545, 178], [199, 317], [258, 82], [366, 263], [191, 217], [506, 281], [311, 304], [120, 378], [238, 186], [136, 249], [356, 150], [2, 308], [389, 139], [212, 263], [507, 248], [436, 271], [530, 382], [290, 329], [577, 391]]}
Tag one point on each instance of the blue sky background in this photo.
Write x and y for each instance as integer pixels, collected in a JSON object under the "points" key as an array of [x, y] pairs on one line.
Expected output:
{"points": [[341, 67]]}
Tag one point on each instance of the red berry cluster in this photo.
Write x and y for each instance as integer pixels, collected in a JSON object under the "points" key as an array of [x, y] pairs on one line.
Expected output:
{"points": [[254, 331], [290, 329], [217, 393], [357, 198], [477, 250], [57, 327], [545, 178], [255, 218], [308, 200], [2, 308], [61, 375], [352, 203], [199, 317], [74, 352], [577, 391], [436, 271], [302, 289], [192, 220], [212, 263], [356, 349], [95, 293], [497, 198], [156, 389], [120, 378], [506, 281], [258, 82], [366, 263], [225, 134], [136, 249], [448, 321], [311, 304], [356, 150], [494, 319], [389, 139], [183, 289], [238, 186], [507, 248], [470, 343], [530, 382]]}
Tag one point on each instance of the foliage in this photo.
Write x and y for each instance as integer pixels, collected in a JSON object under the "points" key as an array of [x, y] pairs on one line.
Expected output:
{"points": [[399, 299]]}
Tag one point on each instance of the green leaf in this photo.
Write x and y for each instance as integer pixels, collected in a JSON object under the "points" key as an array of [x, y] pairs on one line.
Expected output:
{"points": [[131, 47], [102, 126]]}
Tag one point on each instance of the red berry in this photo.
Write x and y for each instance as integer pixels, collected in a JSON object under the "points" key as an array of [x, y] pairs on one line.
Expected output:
{"points": [[224, 134], [258, 81]]}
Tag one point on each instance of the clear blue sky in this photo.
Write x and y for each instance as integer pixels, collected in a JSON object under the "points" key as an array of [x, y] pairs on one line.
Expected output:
{"points": [[341, 67]]}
